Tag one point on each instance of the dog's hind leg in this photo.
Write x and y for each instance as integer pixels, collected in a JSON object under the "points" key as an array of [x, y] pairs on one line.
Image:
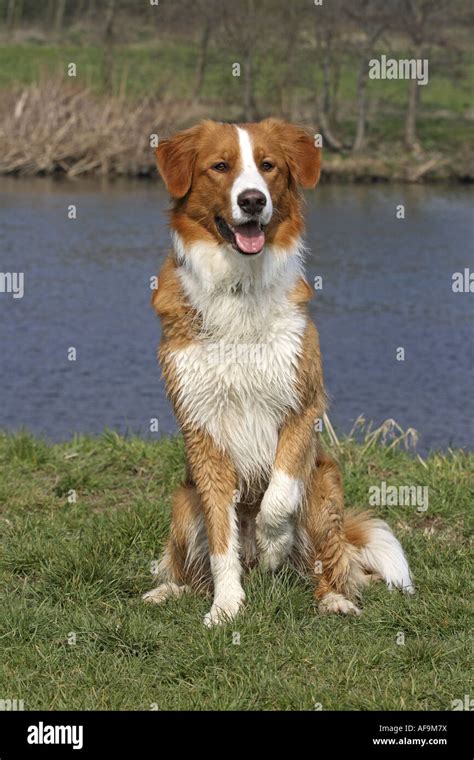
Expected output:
{"points": [[184, 565], [343, 552]]}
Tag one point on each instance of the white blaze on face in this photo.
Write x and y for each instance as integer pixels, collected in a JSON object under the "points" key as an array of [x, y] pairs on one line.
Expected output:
{"points": [[248, 179]]}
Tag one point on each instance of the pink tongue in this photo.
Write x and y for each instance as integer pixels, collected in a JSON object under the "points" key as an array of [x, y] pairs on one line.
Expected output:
{"points": [[249, 238]]}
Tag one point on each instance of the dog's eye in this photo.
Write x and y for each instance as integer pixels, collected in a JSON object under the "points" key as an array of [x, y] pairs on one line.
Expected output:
{"points": [[221, 167], [267, 166]]}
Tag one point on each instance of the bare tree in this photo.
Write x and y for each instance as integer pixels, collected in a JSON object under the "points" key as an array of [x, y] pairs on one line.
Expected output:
{"points": [[10, 17], [422, 21], [207, 12], [290, 18], [242, 23], [370, 19], [14, 13], [327, 38], [108, 41], [249, 101], [59, 15], [79, 10]]}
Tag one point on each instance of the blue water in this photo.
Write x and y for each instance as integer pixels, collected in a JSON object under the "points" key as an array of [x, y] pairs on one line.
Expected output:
{"points": [[386, 284]]}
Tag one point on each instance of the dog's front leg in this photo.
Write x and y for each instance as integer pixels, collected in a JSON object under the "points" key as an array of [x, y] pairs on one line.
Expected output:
{"points": [[216, 482], [296, 452]]}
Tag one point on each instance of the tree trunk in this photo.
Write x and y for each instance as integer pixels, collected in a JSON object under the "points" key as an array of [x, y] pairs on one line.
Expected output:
{"points": [[327, 79], [10, 19], [359, 140], [109, 21], [248, 100], [59, 15], [325, 104], [248, 63], [49, 15], [411, 139], [19, 12], [202, 62], [287, 80], [329, 138], [14, 13], [334, 99], [108, 38], [81, 7]]}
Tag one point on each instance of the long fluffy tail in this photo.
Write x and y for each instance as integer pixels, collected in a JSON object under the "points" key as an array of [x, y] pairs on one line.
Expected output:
{"points": [[378, 552]]}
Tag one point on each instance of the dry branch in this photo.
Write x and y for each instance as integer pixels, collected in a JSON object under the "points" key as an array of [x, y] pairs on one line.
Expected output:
{"points": [[53, 127]]}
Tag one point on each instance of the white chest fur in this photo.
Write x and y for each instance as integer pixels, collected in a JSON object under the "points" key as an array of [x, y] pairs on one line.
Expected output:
{"points": [[237, 381]]}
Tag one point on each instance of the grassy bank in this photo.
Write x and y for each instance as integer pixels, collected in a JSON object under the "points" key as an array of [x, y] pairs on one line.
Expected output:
{"points": [[55, 128], [100, 121], [75, 633]]}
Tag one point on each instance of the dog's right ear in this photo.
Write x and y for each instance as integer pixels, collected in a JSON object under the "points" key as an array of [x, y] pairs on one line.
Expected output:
{"points": [[175, 159], [302, 155]]}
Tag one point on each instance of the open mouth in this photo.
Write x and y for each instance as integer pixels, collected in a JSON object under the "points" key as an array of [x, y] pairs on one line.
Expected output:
{"points": [[247, 239]]}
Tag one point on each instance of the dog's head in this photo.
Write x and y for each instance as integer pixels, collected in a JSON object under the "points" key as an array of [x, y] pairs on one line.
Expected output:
{"points": [[238, 185]]}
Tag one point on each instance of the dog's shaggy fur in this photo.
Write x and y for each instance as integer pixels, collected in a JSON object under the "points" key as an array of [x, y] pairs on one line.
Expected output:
{"points": [[242, 366]]}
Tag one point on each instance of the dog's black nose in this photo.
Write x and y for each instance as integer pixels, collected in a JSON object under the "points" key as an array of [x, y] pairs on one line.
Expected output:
{"points": [[252, 201]]}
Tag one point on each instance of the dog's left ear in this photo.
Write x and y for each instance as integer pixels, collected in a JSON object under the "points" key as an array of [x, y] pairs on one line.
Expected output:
{"points": [[302, 155], [175, 159]]}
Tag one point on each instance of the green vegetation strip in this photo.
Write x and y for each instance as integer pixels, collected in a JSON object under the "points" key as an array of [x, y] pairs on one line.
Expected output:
{"points": [[75, 635]]}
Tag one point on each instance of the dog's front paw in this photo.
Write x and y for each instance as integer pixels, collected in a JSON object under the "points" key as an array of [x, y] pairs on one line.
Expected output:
{"points": [[273, 555], [274, 543], [163, 592], [337, 604], [224, 609]]}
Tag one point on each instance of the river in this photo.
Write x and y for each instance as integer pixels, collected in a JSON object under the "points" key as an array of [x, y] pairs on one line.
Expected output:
{"points": [[386, 285]]}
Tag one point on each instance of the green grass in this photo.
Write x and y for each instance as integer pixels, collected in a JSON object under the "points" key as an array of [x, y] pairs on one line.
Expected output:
{"points": [[80, 568], [143, 69]]}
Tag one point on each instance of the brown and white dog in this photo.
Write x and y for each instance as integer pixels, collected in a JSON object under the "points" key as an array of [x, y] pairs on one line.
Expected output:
{"points": [[242, 366]]}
